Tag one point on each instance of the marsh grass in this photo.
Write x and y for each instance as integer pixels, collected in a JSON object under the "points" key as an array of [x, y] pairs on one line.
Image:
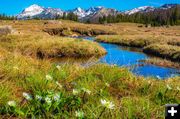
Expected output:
{"points": [[44, 83], [161, 62], [5, 92], [47, 46], [164, 51]]}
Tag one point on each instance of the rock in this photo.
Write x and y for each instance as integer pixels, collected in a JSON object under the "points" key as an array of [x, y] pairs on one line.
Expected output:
{"points": [[15, 21], [4, 30]]}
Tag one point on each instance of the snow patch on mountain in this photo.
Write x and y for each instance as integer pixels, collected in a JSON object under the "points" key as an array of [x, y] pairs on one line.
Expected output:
{"points": [[93, 10], [79, 12], [140, 9]]}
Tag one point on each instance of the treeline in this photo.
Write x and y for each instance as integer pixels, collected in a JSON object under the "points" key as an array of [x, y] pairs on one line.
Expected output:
{"points": [[65, 16], [159, 17], [5, 17], [68, 16]]}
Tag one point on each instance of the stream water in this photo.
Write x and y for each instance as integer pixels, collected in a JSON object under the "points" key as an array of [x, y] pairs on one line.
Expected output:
{"points": [[130, 57]]}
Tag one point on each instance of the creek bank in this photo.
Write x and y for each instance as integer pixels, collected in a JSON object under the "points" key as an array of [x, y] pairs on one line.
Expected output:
{"points": [[45, 46], [74, 32], [161, 62]]}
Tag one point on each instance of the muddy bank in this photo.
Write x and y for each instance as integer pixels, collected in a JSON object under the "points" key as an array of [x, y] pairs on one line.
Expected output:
{"points": [[161, 62], [77, 31]]}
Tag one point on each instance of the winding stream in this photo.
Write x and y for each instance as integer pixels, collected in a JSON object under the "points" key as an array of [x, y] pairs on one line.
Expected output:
{"points": [[129, 57]]}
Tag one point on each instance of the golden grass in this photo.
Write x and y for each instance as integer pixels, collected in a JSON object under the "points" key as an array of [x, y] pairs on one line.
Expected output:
{"points": [[164, 51], [120, 28], [162, 62], [29, 39], [45, 46]]}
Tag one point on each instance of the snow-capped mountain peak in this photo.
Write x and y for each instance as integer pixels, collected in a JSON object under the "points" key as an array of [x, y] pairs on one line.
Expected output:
{"points": [[31, 11], [79, 9], [140, 9], [79, 12], [34, 7], [167, 6], [93, 10], [36, 11], [54, 11]]}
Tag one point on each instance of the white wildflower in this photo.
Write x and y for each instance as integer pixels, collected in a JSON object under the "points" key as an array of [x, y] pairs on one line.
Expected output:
{"points": [[79, 114], [107, 104], [86, 90], [48, 77], [56, 97], [57, 83], [48, 100], [107, 84], [38, 97], [11, 103], [27, 96], [75, 91], [169, 87], [58, 67], [178, 88]]}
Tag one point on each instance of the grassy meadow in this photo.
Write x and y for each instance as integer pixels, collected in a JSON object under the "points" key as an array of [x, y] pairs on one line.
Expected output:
{"points": [[31, 86]]}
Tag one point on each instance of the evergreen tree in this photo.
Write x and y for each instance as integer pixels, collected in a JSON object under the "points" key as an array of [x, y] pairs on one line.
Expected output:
{"points": [[176, 15]]}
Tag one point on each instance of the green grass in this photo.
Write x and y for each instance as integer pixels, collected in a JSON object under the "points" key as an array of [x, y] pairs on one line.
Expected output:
{"points": [[5, 93], [133, 97]]}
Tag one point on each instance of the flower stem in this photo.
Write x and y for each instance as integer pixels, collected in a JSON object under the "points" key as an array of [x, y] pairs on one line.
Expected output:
{"points": [[102, 112], [176, 94], [165, 92], [84, 95]]}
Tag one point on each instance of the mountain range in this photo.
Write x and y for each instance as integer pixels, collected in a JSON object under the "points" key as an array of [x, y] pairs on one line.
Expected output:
{"points": [[92, 14]]}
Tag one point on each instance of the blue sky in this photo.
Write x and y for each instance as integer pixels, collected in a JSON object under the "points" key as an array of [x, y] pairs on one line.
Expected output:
{"points": [[12, 7]]}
